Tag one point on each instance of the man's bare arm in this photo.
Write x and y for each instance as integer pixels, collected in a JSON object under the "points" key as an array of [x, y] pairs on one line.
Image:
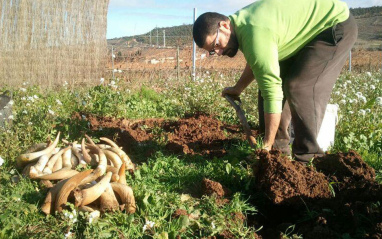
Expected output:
{"points": [[245, 79], [272, 122]]}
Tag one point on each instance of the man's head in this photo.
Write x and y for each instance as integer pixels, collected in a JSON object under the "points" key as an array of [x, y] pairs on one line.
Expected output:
{"points": [[213, 32]]}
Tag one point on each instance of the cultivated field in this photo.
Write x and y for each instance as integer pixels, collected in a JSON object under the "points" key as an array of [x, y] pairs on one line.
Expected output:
{"points": [[149, 63], [195, 175]]}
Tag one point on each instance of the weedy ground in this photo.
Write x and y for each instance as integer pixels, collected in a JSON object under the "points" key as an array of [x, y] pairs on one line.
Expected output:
{"points": [[162, 180]]}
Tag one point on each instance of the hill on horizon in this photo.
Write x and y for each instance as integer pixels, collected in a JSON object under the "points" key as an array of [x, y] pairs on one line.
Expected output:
{"points": [[369, 22]]}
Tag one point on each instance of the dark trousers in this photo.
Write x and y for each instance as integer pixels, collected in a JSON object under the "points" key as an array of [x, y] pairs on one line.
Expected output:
{"points": [[308, 79]]}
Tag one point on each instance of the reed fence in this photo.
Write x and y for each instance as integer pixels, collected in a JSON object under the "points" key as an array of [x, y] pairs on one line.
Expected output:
{"points": [[48, 42]]}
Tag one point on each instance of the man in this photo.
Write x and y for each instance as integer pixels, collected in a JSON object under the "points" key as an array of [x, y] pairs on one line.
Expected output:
{"points": [[295, 49]]}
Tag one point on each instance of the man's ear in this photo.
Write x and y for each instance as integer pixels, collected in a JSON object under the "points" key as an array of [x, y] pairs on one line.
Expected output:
{"points": [[225, 24]]}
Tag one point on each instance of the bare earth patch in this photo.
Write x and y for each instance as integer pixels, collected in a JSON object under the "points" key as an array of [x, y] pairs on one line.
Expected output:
{"points": [[335, 197]]}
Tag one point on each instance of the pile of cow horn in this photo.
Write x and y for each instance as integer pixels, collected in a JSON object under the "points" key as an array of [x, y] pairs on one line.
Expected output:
{"points": [[102, 188]]}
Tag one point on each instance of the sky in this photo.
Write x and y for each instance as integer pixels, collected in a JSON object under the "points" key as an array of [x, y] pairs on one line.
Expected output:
{"points": [[135, 17]]}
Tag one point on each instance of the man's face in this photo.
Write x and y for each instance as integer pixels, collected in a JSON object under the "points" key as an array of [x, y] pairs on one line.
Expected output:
{"points": [[232, 46], [222, 42]]}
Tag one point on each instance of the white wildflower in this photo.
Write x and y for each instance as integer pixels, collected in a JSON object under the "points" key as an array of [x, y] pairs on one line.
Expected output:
{"points": [[112, 82], [23, 89], [102, 80], [1, 161], [379, 101], [368, 73], [58, 102], [35, 96], [23, 98], [351, 101], [28, 104], [11, 102], [362, 112], [51, 112], [93, 216], [342, 101], [368, 110], [17, 199], [151, 224], [337, 93], [348, 82], [30, 123], [213, 225], [69, 234], [362, 99], [148, 224], [351, 112], [30, 98], [10, 117], [372, 87], [25, 112]]}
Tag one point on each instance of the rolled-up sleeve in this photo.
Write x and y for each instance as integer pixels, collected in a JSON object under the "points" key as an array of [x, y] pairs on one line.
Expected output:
{"points": [[259, 46]]}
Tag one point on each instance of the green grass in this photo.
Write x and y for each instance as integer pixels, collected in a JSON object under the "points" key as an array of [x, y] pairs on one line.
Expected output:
{"points": [[163, 182]]}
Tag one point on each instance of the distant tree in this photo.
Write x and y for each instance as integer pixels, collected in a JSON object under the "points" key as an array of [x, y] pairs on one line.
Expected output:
{"points": [[366, 12]]}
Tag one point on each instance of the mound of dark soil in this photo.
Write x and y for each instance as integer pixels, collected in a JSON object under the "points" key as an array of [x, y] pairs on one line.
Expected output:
{"points": [[336, 197], [286, 181], [195, 134], [210, 187]]}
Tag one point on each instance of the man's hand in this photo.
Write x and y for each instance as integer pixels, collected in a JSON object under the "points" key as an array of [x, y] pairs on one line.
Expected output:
{"points": [[267, 147], [245, 79], [231, 91]]}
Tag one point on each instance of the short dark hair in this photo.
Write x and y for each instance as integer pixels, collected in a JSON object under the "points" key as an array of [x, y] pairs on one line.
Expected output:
{"points": [[205, 25]]}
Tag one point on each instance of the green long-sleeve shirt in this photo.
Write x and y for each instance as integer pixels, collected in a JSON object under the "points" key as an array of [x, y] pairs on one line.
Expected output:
{"points": [[269, 31]]}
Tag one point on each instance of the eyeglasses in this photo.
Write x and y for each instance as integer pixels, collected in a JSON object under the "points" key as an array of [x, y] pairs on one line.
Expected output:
{"points": [[216, 43]]}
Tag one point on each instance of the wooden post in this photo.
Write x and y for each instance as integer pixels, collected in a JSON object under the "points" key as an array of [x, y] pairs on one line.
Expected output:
{"points": [[177, 63], [112, 60]]}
